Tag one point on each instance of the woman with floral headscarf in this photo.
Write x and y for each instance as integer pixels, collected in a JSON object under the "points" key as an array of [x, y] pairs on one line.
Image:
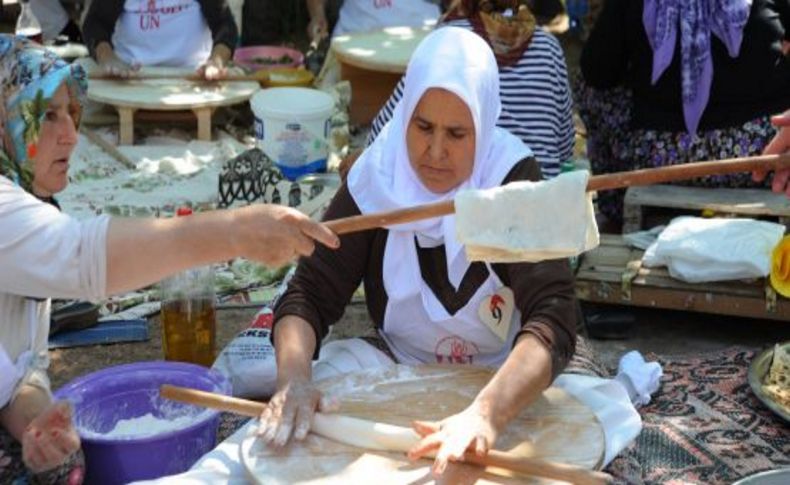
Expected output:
{"points": [[45, 254], [678, 81]]}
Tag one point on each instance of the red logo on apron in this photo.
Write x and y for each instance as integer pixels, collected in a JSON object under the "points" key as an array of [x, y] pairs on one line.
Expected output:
{"points": [[455, 350]]}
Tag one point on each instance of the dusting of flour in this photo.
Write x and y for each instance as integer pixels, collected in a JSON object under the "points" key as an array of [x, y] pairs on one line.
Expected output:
{"points": [[146, 426]]}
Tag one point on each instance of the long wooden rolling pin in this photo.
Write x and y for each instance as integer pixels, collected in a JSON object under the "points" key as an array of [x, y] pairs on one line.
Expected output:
{"points": [[494, 458], [617, 180]]}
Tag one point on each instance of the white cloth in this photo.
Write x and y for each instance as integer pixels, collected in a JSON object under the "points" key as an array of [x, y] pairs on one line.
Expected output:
{"points": [[697, 250], [383, 179], [52, 17], [170, 33], [610, 403], [605, 397], [364, 15], [528, 221], [43, 253], [641, 379]]}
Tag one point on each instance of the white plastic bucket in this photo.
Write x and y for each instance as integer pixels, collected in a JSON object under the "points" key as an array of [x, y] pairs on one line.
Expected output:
{"points": [[292, 128]]}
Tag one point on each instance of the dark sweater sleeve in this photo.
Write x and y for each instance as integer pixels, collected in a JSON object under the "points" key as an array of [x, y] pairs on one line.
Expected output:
{"points": [[99, 23], [604, 59], [544, 293], [783, 7], [220, 20], [324, 282]]}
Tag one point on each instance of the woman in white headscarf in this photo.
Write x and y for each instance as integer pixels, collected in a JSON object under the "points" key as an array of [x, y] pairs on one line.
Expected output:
{"points": [[423, 295]]}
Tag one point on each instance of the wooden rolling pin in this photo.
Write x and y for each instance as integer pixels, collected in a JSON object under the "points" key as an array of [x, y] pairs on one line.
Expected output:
{"points": [[257, 76], [610, 181], [494, 458]]}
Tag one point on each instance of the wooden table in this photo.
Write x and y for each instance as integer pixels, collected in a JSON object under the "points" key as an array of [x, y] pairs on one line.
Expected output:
{"points": [[169, 95], [373, 62], [613, 273]]}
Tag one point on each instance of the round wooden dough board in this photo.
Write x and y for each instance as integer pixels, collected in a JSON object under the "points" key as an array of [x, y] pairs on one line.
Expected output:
{"points": [[556, 427], [386, 50], [169, 94]]}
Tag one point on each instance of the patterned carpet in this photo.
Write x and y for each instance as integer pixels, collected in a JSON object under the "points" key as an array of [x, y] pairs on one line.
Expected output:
{"points": [[705, 426]]}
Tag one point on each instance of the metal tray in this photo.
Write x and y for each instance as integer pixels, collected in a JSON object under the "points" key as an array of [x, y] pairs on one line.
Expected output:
{"points": [[757, 371]]}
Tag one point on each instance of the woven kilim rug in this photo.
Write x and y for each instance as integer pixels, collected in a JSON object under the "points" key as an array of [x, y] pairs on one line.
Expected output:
{"points": [[705, 426]]}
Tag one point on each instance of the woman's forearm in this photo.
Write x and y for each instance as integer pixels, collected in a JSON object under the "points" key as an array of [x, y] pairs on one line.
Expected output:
{"points": [[143, 251], [221, 53], [294, 344], [521, 379]]}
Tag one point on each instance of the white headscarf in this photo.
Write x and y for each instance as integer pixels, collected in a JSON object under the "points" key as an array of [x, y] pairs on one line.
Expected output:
{"points": [[382, 178]]}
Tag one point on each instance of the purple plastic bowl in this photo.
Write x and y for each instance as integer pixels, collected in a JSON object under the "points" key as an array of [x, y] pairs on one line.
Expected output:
{"points": [[102, 398]]}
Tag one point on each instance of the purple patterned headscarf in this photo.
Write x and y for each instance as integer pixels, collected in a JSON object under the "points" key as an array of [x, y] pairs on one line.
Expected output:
{"points": [[696, 20]]}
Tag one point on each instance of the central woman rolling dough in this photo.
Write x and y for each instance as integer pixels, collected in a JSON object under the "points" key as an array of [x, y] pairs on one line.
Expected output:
{"points": [[428, 302]]}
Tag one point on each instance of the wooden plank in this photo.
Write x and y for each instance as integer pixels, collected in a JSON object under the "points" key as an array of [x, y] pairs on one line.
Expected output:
{"points": [[726, 288], [680, 299], [722, 200]]}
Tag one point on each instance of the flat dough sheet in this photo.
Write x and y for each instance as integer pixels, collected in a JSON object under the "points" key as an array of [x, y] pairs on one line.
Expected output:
{"points": [[528, 221], [557, 427]]}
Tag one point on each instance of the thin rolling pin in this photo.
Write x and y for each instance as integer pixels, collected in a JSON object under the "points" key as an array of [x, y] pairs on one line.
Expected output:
{"points": [[500, 459], [108, 147], [610, 181], [257, 76]]}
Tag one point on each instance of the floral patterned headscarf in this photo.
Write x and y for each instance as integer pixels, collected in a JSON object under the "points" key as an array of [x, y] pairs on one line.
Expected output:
{"points": [[508, 35], [29, 77]]}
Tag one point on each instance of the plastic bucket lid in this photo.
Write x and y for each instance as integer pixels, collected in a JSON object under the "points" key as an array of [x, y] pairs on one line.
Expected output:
{"points": [[102, 398], [292, 102]]}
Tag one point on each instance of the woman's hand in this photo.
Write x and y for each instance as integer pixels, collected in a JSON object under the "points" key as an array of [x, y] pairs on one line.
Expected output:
{"points": [[290, 412], [213, 68], [111, 64], [275, 234], [50, 439], [473, 429], [780, 144]]}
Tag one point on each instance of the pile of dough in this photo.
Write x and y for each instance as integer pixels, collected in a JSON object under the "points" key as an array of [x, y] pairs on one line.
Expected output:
{"points": [[777, 382], [528, 221]]}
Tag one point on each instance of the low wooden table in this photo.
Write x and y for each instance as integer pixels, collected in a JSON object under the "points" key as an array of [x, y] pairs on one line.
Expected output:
{"points": [[740, 202], [612, 273], [169, 95], [373, 62]]}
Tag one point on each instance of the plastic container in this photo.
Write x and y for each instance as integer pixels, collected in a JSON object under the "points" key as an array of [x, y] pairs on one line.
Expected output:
{"points": [[27, 25], [102, 398], [292, 127], [289, 77], [189, 314], [256, 57]]}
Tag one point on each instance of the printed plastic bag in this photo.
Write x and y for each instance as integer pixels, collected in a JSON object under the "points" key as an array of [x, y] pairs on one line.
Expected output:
{"points": [[248, 361]]}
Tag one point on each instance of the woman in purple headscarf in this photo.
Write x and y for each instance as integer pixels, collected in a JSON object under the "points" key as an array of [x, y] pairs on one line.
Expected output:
{"points": [[666, 82]]}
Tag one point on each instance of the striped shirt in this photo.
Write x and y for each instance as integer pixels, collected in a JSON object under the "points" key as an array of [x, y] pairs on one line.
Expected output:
{"points": [[536, 101]]}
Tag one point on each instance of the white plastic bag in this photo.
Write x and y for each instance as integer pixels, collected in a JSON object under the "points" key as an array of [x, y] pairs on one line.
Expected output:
{"points": [[697, 250]]}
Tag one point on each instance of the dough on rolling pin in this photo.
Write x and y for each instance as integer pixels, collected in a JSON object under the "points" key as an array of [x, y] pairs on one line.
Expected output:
{"points": [[364, 434], [527, 221]]}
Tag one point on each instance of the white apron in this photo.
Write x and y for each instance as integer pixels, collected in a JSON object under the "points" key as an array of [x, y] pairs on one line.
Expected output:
{"points": [[421, 331], [162, 33], [13, 372], [364, 15]]}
